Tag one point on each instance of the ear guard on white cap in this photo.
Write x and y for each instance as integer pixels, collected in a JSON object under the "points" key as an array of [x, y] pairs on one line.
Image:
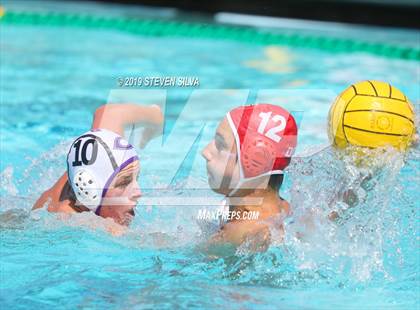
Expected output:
{"points": [[87, 190], [94, 159]]}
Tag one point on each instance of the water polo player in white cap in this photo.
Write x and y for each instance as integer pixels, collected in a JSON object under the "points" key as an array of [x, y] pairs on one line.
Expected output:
{"points": [[102, 167], [245, 162]]}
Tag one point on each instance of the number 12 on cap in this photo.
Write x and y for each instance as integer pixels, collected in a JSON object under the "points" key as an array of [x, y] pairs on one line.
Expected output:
{"points": [[272, 133]]}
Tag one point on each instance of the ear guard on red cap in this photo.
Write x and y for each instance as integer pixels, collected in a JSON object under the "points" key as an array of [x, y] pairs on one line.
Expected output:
{"points": [[257, 157]]}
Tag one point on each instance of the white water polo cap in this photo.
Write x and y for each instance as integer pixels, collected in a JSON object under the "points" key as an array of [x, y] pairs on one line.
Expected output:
{"points": [[94, 159]]}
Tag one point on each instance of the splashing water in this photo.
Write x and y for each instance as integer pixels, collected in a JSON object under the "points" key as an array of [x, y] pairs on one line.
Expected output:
{"points": [[349, 216]]}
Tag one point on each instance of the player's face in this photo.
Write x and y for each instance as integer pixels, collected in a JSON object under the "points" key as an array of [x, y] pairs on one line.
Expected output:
{"points": [[221, 157], [122, 195]]}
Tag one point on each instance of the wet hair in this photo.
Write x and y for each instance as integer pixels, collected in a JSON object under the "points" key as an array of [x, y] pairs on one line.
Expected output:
{"points": [[275, 182], [68, 193]]}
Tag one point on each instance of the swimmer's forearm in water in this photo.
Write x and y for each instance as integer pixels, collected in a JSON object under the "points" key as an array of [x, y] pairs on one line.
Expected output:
{"points": [[42, 200], [115, 117], [350, 196], [53, 198], [48, 194]]}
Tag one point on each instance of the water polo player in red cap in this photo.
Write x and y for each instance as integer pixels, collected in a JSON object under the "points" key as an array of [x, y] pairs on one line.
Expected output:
{"points": [[245, 162], [102, 167]]}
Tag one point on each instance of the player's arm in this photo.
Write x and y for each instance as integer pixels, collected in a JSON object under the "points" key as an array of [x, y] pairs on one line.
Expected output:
{"points": [[117, 116], [42, 200], [52, 195]]}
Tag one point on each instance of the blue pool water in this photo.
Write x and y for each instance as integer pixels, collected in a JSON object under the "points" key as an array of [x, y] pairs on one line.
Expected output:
{"points": [[53, 79]]}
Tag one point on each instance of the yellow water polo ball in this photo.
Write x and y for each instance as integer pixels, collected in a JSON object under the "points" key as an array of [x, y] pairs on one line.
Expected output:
{"points": [[371, 114]]}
